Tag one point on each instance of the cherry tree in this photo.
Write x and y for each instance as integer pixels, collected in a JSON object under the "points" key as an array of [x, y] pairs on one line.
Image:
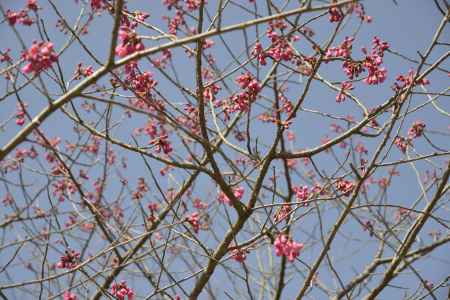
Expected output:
{"points": [[228, 149]]}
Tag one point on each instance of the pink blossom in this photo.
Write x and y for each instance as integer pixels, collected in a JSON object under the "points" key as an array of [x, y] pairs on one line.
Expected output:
{"points": [[358, 8], [130, 43], [194, 220], [69, 296], [416, 129], [32, 5], [20, 115], [280, 50], [359, 148], [401, 143], [162, 143], [335, 13], [285, 246], [20, 17], [345, 186], [40, 57], [193, 4], [97, 4], [405, 81], [238, 193], [242, 100], [346, 86], [344, 50], [4, 56], [199, 204], [301, 193], [291, 136], [175, 22], [8, 199], [258, 51], [121, 290], [373, 61], [239, 255], [69, 260]]}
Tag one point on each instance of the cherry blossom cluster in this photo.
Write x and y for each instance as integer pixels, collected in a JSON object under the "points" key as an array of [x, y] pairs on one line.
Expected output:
{"points": [[163, 143], [121, 290], [83, 72], [159, 138], [190, 118], [403, 81], [141, 84], [403, 213], [193, 4], [285, 246], [22, 17], [241, 101], [170, 3], [130, 42], [181, 9], [20, 115], [8, 199], [62, 187], [69, 260], [32, 5], [238, 192], [98, 4], [301, 193], [4, 56], [361, 149], [247, 81], [69, 296], [194, 220], [352, 68], [345, 87], [153, 207], [162, 61], [280, 48], [92, 147], [344, 50], [373, 61], [345, 186], [401, 143], [199, 204], [141, 189], [335, 13], [40, 56], [258, 51], [211, 89], [239, 255], [358, 9], [416, 130], [175, 22]]}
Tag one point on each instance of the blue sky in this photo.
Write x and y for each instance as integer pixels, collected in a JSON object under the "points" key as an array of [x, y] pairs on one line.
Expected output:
{"points": [[407, 28]]}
